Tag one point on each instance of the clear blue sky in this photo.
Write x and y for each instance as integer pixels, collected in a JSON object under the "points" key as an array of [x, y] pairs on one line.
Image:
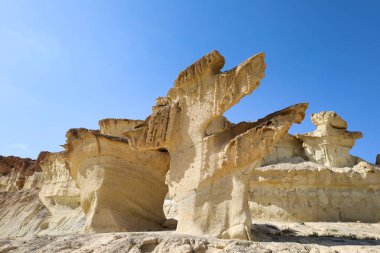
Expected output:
{"points": [[67, 64]]}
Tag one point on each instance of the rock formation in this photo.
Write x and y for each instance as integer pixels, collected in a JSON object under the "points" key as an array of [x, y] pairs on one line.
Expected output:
{"points": [[210, 159], [59, 188], [330, 143], [312, 177], [116, 127], [188, 159], [15, 172], [378, 159], [307, 191], [121, 189]]}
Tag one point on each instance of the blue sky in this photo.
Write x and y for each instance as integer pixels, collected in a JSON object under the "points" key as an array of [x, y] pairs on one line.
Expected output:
{"points": [[67, 64]]}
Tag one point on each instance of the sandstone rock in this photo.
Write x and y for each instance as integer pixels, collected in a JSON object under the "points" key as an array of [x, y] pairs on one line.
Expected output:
{"points": [[58, 188], [36, 180], [210, 158], [330, 143], [170, 224], [15, 170], [23, 214], [286, 148], [307, 191], [121, 189], [60, 195], [116, 127]]}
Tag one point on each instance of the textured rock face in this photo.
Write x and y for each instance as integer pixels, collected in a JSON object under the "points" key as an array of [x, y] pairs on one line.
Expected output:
{"points": [[210, 158], [116, 179], [60, 195], [120, 189], [287, 147], [116, 127], [378, 159], [23, 214], [36, 180], [15, 171], [312, 192], [58, 188], [330, 143]]}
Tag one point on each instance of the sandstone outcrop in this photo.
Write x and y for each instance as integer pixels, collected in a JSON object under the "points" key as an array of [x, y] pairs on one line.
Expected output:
{"points": [[286, 148], [307, 191], [210, 158], [121, 189], [330, 143], [23, 214], [59, 187], [15, 172], [188, 162], [116, 127], [59, 194]]}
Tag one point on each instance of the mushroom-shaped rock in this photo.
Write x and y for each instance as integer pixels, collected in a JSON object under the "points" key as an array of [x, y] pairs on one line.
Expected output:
{"points": [[121, 189], [330, 143], [210, 158]]}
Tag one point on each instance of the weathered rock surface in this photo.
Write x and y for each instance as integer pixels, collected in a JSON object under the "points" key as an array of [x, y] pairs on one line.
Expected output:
{"points": [[23, 214], [307, 191], [59, 187], [286, 148], [59, 194], [15, 170], [330, 143], [117, 178], [116, 127], [210, 158], [121, 189], [271, 237], [378, 159]]}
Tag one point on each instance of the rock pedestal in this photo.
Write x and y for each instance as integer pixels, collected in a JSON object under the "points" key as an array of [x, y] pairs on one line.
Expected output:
{"points": [[330, 143], [121, 189], [210, 158]]}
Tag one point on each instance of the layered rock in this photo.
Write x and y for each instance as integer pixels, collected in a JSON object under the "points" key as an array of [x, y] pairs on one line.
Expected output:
{"points": [[307, 191], [330, 143], [60, 195], [116, 127], [36, 180], [210, 158], [286, 148], [15, 171], [121, 189], [59, 187]]}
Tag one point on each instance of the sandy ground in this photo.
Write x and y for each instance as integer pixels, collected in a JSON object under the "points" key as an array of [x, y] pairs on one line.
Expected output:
{"points": [[269, 237]]}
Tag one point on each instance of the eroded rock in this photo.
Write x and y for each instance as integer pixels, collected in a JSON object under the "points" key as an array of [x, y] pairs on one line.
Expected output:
{"points": [[330, 143], [210, 158], [121, 189], [307, 191], [59, 188], [15, 172], [116, 127]]}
